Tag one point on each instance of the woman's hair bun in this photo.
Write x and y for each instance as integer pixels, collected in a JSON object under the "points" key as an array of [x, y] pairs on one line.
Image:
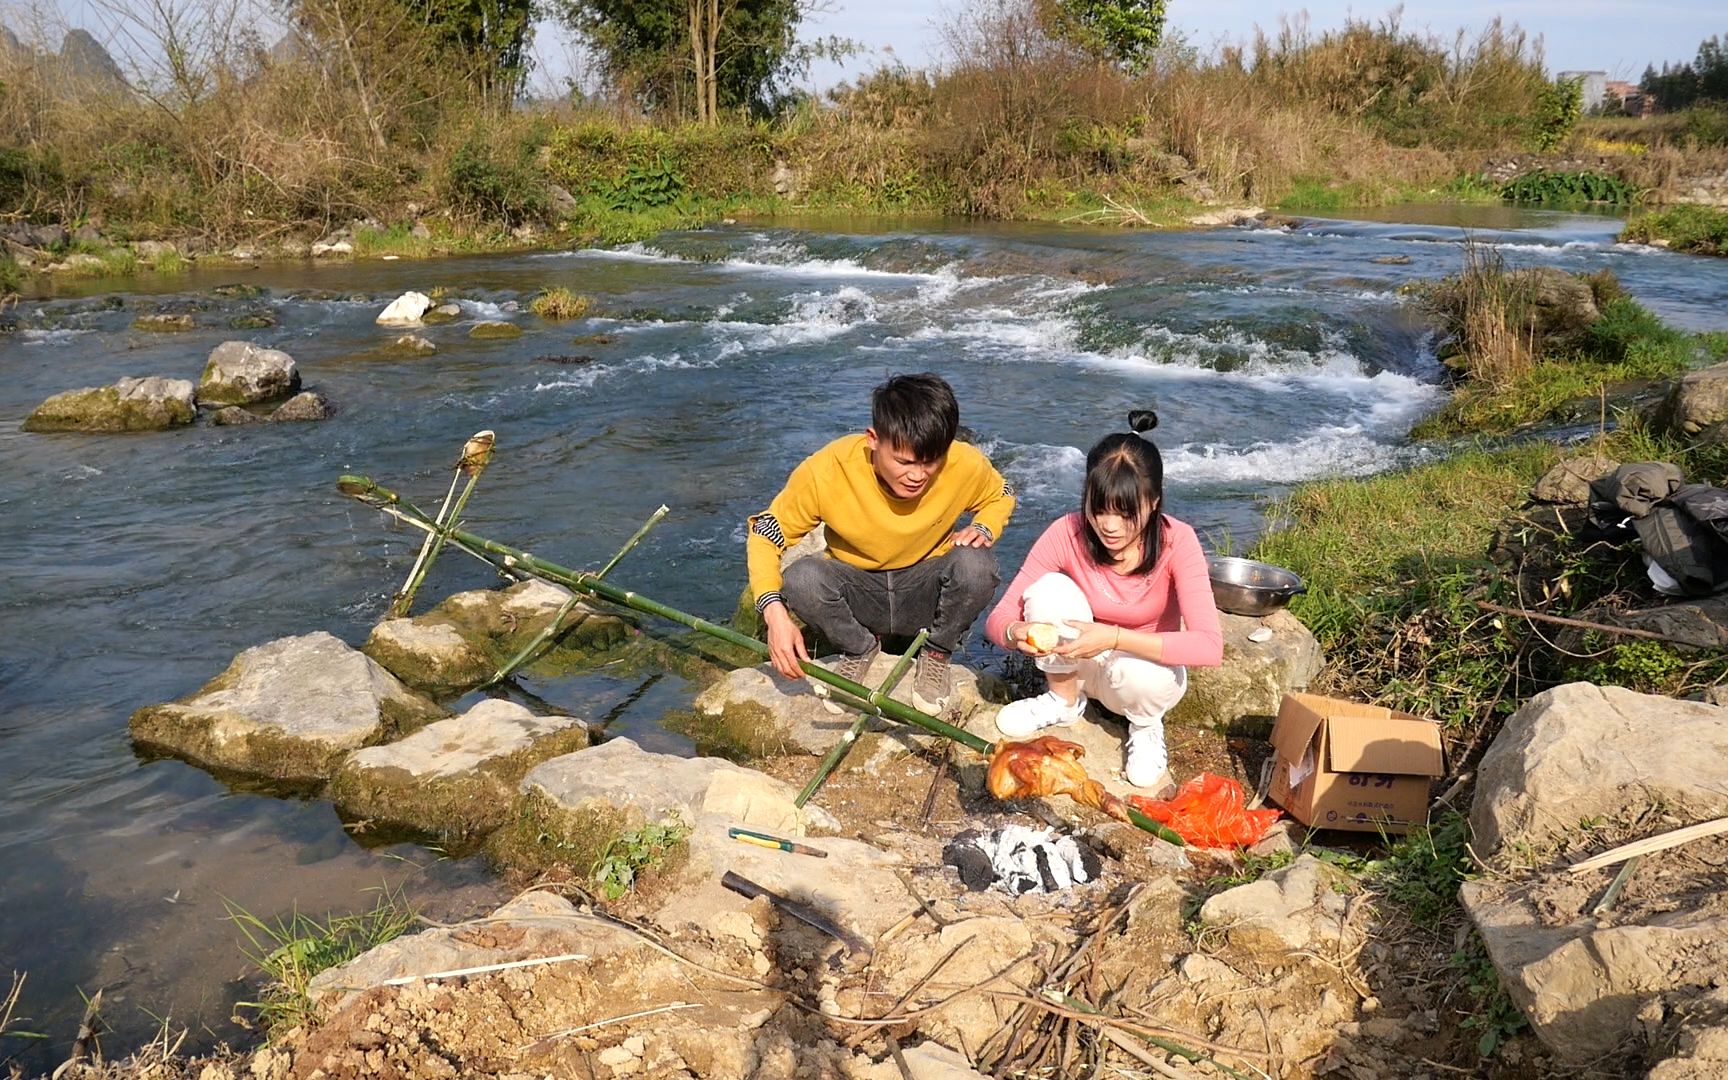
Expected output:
{"points": [[1142, 420]]}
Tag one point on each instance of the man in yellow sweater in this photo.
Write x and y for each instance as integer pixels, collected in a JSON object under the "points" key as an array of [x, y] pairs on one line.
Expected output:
{"points": [[898, 558]]}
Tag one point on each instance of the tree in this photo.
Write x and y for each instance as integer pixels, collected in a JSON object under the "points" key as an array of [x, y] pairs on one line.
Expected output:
{"points": [[1124, 32], [699, 57]]}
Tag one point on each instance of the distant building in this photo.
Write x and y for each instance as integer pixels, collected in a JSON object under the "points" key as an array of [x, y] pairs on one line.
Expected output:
{"points": [[1627, 98], [1595, 86]]}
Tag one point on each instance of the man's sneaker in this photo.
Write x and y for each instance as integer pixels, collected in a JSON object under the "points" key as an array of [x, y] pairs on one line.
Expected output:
{"points": [[1028, 716], [850, 667], [1146, 763], [931, 682]]}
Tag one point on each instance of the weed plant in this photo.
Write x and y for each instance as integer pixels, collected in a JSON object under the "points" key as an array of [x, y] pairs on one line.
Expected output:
{"points": [[293, 949], [629, 853], [558, 303]]}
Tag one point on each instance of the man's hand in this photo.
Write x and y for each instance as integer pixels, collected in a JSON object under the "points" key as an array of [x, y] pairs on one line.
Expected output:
{"points": [[785, 641], [970, 537]]}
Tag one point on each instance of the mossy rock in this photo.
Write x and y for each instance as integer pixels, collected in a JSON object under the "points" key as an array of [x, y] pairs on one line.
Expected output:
{"points": [[494, 330], [165, 323], [443, 313], [253, 320], [742, 731], [541, 835], [237, 291], [153, 404], [290, 709], [454, 779], [465, 639]]}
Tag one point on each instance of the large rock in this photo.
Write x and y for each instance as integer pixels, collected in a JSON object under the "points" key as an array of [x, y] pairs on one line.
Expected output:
{"points": [[455, 778], [1242, 695], [754, 713], [241, 373], [1582, 751], [149, 404], [1584, 986], [1558, 308], [304, 406], [460, 643], [405, 310], [1697, 404], [1296, 908], [1699, 624], [288, 710]]}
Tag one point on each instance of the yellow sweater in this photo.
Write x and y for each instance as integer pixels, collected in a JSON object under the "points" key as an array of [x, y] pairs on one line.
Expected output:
{"points": [[867, 527]]}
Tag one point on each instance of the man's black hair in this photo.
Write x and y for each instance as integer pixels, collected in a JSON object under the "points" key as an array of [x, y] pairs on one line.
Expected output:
{"points": [[916, 413]]}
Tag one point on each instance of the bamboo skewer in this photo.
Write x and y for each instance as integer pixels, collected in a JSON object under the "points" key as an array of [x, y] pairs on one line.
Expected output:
{"points": [[516, 560], [831, 760], [476, 454], [1652, 844]]}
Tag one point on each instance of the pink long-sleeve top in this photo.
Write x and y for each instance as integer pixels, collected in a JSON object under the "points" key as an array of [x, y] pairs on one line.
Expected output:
{"points": [[1174, 598]]}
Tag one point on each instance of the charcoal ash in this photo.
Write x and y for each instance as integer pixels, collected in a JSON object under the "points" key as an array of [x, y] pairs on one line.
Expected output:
{"points": [[1019, 860]]}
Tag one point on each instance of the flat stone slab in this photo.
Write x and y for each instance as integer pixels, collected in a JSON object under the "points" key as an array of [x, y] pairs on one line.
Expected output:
{"points": [[455, 778], [535, 924], [1582, 751], [621, 777], [289, 709], [758, 714], [459, 644]]}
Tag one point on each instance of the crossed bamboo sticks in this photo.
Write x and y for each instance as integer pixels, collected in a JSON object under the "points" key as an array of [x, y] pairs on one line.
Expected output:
{"points": [[445, 529]]}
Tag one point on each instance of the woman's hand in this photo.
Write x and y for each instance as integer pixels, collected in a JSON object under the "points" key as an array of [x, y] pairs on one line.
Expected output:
{"points": [[1094, 638], [1017, 637]]}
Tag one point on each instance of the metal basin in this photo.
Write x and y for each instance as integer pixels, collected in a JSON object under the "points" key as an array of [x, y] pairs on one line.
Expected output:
{"points": [[1246, 587]]}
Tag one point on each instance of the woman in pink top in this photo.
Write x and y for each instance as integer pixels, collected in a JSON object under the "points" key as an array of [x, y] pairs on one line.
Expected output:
{"points": [[1128, 590]]}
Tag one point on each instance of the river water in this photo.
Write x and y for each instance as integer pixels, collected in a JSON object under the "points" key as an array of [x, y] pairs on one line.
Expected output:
{"points": [[137, 566]]}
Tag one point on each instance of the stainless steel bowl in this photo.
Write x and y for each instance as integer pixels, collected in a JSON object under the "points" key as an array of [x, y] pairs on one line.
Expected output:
{"points": [[1246, 587]]}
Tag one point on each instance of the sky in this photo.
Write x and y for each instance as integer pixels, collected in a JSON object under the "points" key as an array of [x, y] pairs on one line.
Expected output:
{"points": [[1615, 36]]}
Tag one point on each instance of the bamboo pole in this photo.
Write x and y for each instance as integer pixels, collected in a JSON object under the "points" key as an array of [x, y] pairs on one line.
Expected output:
{"points": [[530, 651], [831, 760], [476, 454], [372, 493]]}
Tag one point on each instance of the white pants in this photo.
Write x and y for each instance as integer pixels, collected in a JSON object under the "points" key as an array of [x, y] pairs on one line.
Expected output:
{"points": [[1141, 690]]}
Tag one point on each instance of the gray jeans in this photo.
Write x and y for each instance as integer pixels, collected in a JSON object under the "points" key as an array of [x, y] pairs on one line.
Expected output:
{"points": [[851, 607]]}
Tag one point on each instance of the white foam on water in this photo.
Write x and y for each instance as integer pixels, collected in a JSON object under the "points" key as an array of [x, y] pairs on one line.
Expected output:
{"points": [[485, 309], [814, 317], [1328, 452], [586, 377], [1039, 473], [52, 337]]}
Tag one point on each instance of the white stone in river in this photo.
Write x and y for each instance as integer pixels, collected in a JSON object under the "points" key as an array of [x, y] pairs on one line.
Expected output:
{"points": [[405, 310]]}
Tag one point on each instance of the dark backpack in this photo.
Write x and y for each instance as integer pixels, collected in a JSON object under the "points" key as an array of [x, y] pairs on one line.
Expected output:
{"points": [[1682, 527]]}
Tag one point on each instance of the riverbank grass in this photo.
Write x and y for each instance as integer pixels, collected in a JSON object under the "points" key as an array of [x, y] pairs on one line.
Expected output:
{"points": [[1538, 345], [1700, 230], [290, 951]]}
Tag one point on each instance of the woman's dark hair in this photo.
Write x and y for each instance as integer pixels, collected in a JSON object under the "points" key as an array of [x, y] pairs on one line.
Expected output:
{"points": [[916, 413], [1125, 475]]}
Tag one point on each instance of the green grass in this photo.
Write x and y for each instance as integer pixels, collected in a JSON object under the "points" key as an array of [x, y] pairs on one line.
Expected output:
{"points": [[1394, 564], [629, 853], [1494, 1017], [1310, 193], [558, 303], [1422, 870], [1555, 188], [1701, 230], [292, 950]]}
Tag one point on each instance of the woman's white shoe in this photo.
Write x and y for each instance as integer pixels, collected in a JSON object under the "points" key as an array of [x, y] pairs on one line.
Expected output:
{"points": [[1028, 716]]}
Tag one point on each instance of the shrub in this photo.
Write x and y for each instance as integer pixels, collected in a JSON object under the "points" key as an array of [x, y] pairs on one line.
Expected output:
{"points": [[1551, 186], [495, 184], [1558, 108], [1684, 227]]}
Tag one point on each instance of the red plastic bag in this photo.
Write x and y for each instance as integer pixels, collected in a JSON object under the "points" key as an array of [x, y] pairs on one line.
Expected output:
{"points": [[1209, 811]]}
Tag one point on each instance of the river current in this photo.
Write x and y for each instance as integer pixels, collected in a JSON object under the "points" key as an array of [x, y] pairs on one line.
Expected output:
{"points": [[137, 566]]}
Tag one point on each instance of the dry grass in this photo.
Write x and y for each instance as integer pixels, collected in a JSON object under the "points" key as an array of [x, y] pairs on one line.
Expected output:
{"points": [[558, 303]]}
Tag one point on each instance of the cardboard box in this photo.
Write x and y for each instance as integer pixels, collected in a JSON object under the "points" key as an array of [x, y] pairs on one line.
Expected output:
{"points": [[1341, 765]]}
